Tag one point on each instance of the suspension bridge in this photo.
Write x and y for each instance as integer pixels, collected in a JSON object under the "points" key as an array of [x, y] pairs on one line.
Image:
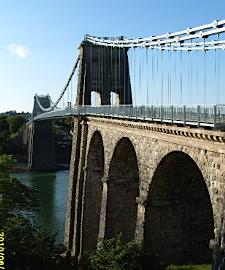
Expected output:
{"points": [[175, 78], [148, 146]]}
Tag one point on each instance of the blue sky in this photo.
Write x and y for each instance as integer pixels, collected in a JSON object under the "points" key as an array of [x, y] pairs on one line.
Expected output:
{"points": [[39, 38]]}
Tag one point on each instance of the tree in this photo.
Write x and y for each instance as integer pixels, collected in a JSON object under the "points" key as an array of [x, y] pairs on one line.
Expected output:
{"points": [[15, 122], [3, 124], [27, 246], [10, 126]]}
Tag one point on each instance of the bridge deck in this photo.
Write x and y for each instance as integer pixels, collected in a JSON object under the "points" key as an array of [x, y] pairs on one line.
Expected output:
{"points": [[199, 116]]}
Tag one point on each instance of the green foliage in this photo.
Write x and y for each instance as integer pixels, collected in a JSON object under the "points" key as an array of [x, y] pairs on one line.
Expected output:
{"points": [[189, 267], [3, 124], [4, 138], [15, 122], [10, 126], [7, 164], [115, 254], [62, 125], [16, 197], [27, 246]]}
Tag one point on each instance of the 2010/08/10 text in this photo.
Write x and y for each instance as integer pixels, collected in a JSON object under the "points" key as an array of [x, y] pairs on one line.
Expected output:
{"points": [[2, 249]]}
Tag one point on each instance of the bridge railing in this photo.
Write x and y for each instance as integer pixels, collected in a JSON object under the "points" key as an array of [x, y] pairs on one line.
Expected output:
{"points": [[220, 113], [208, 116], [198, 115]]}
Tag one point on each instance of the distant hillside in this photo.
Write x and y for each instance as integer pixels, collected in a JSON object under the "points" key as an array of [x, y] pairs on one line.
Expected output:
{"points": [[25, 114], [11, 125]]}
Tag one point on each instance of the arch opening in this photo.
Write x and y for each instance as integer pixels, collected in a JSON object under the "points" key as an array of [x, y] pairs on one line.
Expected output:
{"points": [[123, 188], [114, 99], [93, 192], [179, 217], [95, 99]]}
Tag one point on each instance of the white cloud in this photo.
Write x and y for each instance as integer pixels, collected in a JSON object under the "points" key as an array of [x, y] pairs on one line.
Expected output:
{"points": [[18, 50]]}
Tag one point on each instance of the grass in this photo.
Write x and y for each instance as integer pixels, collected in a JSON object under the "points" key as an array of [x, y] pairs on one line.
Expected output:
{"points": [[189, 267]]}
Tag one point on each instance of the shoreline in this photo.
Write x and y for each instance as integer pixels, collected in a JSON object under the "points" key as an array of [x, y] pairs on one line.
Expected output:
{"points": [[24, 169]]}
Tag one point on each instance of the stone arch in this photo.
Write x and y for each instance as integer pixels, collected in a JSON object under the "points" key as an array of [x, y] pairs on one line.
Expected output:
{"points": [[123, 189], [93, 192], [178, 214]]}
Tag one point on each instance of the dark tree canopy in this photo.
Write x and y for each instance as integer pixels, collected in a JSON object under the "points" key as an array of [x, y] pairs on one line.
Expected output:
{"points": [[15, 122]]}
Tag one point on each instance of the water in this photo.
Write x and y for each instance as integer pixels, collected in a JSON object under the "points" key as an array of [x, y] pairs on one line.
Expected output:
{"points": [[52, 195]]}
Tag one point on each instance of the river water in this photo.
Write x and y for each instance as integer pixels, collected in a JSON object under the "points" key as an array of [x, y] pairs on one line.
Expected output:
{"points": [[52, 195]]}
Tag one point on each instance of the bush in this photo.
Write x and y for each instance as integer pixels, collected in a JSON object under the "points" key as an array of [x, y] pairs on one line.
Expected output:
{"points": [[115, 254]]}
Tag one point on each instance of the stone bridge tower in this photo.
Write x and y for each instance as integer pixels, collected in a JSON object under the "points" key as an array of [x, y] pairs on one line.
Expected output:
{"points": [[41, 141], [103, 70]]}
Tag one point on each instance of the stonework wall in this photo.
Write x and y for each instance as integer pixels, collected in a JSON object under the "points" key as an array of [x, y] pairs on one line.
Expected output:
{"points": [[151, 143]]}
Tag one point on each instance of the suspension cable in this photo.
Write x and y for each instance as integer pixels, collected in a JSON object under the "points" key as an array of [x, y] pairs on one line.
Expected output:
{"points": [[162, 78], [153, 81], [176, 39], [63, 91], [218, 98], [204, 100], [181, 82], [146, 55]]}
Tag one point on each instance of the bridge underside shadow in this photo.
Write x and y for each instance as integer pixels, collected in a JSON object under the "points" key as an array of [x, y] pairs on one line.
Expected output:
{"points": [[93, 193], [123, 189], [179, 217]]}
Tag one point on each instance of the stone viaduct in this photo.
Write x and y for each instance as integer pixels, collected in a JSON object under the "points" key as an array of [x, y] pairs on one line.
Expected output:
{"points": [[157, 183]]}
